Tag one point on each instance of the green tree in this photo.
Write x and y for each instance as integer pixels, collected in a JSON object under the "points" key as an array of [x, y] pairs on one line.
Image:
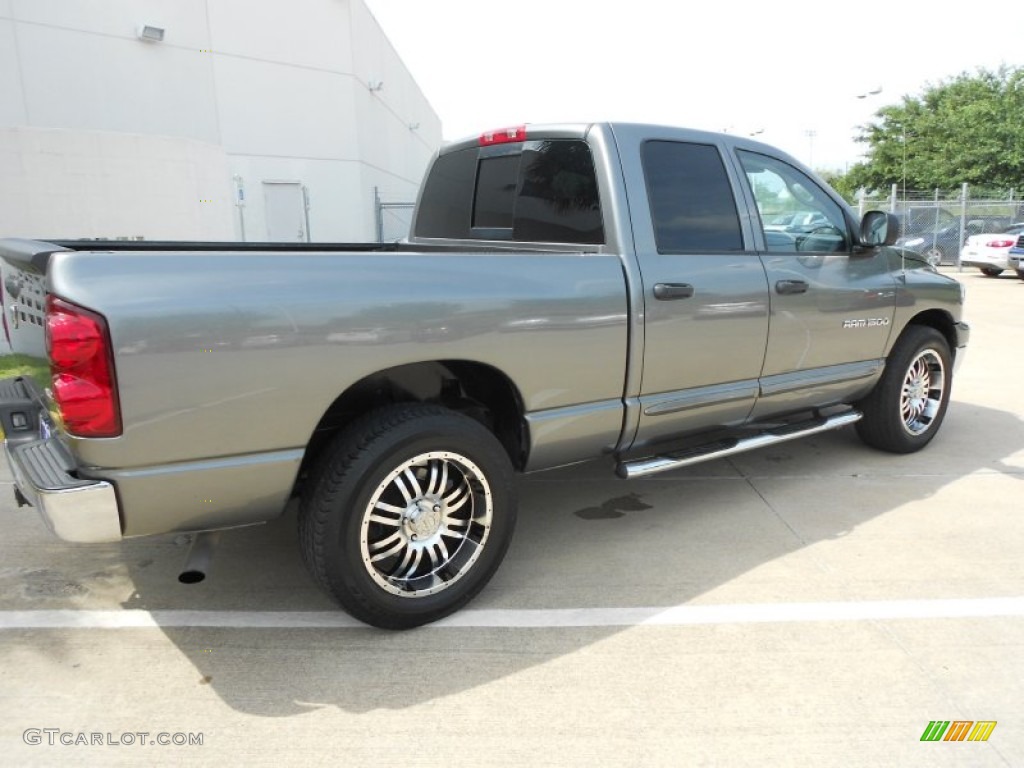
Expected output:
{"points": [[843, 183], [969, 128]]}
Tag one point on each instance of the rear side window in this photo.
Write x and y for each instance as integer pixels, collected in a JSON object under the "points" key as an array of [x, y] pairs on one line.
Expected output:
{"points": [[447, 198], [692, 204], [537, 191]]}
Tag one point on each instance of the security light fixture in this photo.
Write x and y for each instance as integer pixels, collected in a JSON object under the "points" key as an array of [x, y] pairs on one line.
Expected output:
{"points": [[151, 34], [375, 85]]}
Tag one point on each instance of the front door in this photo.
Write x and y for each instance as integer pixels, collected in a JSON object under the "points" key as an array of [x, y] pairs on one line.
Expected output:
{"points": [[831, 306]]}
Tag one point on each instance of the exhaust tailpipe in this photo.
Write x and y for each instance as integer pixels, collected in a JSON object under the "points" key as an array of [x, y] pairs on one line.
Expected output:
{"points": [[200, 554]]}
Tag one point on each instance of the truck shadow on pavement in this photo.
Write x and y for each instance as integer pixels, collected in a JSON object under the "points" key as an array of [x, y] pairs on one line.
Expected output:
{"points": [[585, 540]]}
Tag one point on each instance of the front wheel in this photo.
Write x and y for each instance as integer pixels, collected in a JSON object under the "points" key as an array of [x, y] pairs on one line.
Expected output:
{"points": [[907, 405], [991, 271], [411, 511]]}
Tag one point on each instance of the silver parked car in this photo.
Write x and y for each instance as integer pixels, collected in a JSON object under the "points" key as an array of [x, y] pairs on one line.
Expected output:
{"points": [[989, 252]]}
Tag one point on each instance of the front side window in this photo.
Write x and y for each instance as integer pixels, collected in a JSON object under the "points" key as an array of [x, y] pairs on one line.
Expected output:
{"points": [[796, 214], [692, 205], [446, 202]]}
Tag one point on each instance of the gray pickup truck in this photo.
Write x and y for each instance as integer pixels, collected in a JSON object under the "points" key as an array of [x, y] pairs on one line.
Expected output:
{"points": [[568, 292]]}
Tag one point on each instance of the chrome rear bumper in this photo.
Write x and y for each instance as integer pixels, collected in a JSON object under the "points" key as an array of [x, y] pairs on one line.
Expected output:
{"points": [[75, 509]]}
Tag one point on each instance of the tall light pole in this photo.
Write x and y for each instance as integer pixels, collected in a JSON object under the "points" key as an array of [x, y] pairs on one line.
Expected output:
{"points": [[810, 134], [871, 93], [903, 141]]}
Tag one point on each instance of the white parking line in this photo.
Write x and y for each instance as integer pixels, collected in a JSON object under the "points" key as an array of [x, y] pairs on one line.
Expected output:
{"points": [[677, 616]]}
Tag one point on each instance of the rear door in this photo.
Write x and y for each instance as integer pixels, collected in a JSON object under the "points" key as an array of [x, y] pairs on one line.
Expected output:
{"points": [[705, 293]]}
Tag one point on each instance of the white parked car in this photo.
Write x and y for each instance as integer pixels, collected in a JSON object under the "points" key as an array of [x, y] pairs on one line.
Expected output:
{"points": [[802, 221], [989, 252]]}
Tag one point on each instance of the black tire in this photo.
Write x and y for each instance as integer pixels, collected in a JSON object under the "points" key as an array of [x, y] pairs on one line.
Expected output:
{"points": [[907, 405], [1020, 274], [409, 513], [991, 271]]}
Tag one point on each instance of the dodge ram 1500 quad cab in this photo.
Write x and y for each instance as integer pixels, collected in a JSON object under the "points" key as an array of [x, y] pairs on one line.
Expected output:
{"points": [[567, 292]]}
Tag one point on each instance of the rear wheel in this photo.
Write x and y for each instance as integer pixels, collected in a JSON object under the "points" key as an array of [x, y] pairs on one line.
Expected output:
{"points": [[411, 511], [991, 271], [907, 406]]}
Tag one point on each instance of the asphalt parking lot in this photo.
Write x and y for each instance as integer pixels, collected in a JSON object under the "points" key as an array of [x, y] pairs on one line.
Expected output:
{"points": [[812, 604]]}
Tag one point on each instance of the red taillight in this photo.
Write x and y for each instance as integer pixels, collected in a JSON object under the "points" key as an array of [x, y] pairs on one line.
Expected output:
{"points": [[503, 136], [1002, 243], [78, 344]]}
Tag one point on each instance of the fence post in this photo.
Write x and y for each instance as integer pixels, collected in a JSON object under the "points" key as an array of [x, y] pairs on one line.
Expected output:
{"points": [[240, 203], [964, 193], [378, 214], [892, 199], [305, 207]]}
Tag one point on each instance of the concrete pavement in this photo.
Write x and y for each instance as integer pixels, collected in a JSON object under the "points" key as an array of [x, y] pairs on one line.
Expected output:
{"points": [[799, 534]]}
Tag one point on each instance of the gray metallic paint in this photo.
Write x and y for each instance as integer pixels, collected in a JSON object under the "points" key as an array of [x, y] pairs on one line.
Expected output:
{"points": [[266, 359], [920, 289], [199, 495], [728, 307]]}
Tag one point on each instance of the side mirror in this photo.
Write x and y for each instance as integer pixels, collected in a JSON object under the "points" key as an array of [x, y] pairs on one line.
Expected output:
{"points": [[879, 228]]}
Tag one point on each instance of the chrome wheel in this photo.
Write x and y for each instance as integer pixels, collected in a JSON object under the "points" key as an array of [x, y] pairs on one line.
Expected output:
{"points": [[923, 387], [408, 513], [904, 411], [426, 524]]}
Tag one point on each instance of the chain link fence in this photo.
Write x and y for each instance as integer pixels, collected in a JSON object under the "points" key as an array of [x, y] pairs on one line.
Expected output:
{"points": [[936, 224], [393, 219]]}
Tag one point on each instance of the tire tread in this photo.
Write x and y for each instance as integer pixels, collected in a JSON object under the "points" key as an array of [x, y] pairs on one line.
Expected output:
{"points": [[881, 426]]}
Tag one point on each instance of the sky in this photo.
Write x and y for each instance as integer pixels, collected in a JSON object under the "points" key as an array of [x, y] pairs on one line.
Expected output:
{"points": [[789, 69]]}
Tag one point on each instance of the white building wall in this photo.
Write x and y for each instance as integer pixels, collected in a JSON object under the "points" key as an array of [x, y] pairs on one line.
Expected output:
{"points": [[76, 80], [12, 106], [62, 184], [258, 89]]}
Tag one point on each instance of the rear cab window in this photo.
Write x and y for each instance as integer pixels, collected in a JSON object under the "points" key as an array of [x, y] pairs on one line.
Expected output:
{"points": [[533, 191]]}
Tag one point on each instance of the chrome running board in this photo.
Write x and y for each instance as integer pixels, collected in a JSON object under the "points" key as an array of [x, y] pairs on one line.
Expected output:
{"points": [[717, 450]]}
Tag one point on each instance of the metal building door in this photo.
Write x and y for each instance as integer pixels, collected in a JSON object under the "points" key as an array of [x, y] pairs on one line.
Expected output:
{"points": [[286, 212]]}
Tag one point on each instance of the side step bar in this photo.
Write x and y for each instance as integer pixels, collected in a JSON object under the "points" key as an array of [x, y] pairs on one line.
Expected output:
{"points": [[630, 470]]}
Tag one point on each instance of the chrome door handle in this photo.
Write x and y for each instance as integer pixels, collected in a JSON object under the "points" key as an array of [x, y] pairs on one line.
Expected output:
{"points": [[671, 291], [788, 287]]}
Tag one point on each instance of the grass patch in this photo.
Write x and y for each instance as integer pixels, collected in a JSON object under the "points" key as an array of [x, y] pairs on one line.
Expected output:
{"points": [[25, 365]]}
